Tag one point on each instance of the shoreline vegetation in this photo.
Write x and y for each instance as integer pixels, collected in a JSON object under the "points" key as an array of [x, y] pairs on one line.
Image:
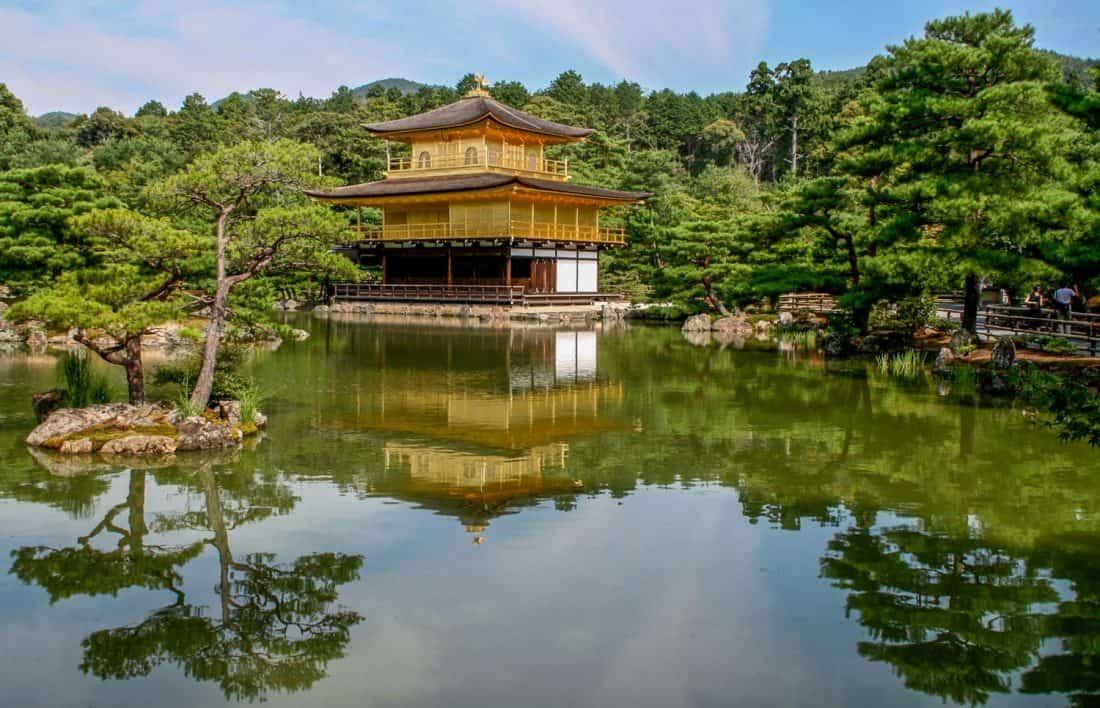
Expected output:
{"points": [[964, 159]]}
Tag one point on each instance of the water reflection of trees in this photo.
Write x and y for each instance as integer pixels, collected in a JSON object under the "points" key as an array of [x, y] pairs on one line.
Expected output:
{"points": [[276, 625], [952, 616], [963, 592]]}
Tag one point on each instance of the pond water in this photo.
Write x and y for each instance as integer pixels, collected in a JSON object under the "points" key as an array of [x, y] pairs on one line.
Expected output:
{"points": [[474, 516]]}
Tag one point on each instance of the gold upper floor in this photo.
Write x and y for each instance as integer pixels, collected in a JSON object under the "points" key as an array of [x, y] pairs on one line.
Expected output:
{"points": [[501, 218], [484, 147]]}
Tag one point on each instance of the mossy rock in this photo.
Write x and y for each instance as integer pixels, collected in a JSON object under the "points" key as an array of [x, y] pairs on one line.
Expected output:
{"points": [[248, 429], [100, 436]]}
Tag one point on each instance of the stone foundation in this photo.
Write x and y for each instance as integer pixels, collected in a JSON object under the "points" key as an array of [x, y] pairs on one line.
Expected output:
{"points": [[550, 314]]}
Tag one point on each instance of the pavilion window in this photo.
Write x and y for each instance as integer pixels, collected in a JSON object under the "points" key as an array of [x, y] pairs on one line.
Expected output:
{"points": [[471, 155], [424, 160]]}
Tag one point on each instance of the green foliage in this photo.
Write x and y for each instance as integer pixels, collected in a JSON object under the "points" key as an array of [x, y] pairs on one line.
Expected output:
{"points": [[1057, 345], [1069, 404], [85, 387], [101, 126], [228, 380], [38, 241], [964, 381]]}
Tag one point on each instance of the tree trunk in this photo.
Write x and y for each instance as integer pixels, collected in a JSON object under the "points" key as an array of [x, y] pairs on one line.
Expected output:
{"points": [[215, 517], [135, 500], [200, 395], [713, 300], [861, 318], [135, 370], [971, 298], [128, 357], [794, 146]]}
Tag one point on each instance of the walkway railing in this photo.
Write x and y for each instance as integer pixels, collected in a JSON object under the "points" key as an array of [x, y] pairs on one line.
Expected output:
{"points": [[483, 160], [1081, 329], [516, 228]]}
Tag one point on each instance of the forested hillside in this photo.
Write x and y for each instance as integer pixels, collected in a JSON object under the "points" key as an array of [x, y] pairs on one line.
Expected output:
{"points": [[961, 157]]}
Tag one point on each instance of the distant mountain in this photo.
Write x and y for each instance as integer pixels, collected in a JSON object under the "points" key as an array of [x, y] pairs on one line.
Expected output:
{"points": [[54, 119], [405, 86], [1074, 70], [360, 92]]}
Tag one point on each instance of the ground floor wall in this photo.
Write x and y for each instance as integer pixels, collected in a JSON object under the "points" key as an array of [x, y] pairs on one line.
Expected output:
{"points": [[537, 270]]}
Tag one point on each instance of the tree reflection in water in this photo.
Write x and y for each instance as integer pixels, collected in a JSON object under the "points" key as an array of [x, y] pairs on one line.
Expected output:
{"points": [[952, 616], [277, 624]]}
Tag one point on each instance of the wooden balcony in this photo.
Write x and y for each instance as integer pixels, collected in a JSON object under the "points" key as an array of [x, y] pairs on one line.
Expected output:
{"points": [[515, 229], [412, 166]]}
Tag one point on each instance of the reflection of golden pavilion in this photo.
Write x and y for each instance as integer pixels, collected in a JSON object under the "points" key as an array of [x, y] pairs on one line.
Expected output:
{"points": [[480, 485], [489, 427]]}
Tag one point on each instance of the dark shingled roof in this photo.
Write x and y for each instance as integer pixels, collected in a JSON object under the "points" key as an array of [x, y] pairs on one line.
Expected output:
{"points": [[464, 183], [472, 109]]}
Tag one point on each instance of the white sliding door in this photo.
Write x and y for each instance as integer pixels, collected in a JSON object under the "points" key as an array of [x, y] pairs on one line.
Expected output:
{"points": [[567, 276], [587, 278]]}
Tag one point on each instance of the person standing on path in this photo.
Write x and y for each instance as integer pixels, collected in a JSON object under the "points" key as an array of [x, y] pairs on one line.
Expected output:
{"points": [[1034, 304], [1063, 302]]}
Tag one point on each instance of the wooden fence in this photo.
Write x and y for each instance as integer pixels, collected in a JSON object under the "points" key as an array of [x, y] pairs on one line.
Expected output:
{"points": [[816, 303]]}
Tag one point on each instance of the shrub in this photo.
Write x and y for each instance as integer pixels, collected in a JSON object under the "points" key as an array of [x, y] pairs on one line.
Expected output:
{"points": [[226, 378], [909, 314], [1054, 345], [1070, 404], [964, 379]]}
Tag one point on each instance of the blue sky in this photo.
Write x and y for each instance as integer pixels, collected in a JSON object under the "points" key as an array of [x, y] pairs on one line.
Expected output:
{"points": [[65, 55]]}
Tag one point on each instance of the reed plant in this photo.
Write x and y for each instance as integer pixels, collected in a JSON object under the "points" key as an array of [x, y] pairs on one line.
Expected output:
{"points": [[85, 387], [907, 365], [249, 394], [802, 338], [183, 400]]}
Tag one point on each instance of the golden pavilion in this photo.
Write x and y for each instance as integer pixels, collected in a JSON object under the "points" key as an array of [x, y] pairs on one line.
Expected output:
{"points": [[477, 212]]}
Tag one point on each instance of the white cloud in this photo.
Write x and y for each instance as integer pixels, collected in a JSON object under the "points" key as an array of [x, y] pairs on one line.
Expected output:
{"points": [[654, 41], [73, 55], [59, 56]]}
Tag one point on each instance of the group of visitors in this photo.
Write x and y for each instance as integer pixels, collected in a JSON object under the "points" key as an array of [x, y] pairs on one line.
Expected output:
{"points": [[1064, 301]]}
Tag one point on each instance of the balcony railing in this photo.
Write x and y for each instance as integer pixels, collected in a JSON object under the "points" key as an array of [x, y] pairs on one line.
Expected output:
{"points": [[484, 160], [515, 229]]}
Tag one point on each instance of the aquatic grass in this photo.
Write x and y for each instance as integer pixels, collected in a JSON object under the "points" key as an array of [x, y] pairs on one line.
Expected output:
{"points": [[183, 400], [249, 394], [907, 365], [85, 387], [802, 338]]}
